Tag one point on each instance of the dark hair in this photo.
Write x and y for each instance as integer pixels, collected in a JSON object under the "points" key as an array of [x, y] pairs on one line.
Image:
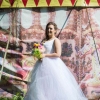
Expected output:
{"points": [[50, 23]]}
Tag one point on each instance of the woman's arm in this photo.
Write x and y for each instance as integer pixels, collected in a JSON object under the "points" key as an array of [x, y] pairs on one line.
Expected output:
{"points": [[57, 53]]}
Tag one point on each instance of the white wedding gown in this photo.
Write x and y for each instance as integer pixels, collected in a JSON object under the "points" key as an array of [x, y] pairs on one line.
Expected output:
{"points": [[52, 80]]}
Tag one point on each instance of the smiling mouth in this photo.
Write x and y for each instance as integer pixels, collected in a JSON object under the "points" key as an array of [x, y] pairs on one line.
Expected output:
{"points": [[49, 32]]}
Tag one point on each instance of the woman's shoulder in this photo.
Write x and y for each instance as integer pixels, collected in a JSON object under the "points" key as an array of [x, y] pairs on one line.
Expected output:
{"points": [[56, 39]]}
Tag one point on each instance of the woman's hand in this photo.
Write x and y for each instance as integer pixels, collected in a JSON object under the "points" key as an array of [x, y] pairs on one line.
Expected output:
{"points": [[43, 55]]}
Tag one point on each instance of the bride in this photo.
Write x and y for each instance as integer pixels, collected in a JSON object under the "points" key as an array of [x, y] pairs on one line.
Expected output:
{"points": [[51, 79]]}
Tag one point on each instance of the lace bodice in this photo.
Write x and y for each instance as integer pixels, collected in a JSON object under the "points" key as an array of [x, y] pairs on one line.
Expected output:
{"points": [[49, 46]]}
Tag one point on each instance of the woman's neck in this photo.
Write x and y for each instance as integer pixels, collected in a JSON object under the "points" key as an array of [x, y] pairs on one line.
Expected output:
{"points": [[52, 38]]}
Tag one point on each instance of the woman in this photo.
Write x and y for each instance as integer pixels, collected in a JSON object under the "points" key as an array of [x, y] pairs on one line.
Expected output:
{"points": [[51, 79]]}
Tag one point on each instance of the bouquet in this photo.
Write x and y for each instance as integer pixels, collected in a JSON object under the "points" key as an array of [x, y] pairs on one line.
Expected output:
{"points": [[38, 50]]}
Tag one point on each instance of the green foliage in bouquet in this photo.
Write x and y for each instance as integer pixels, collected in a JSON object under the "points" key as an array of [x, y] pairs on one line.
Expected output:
{"points": [[36, 53]]}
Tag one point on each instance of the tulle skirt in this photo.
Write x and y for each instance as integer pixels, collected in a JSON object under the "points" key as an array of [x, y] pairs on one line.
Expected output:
{"points": [[52, 80]]}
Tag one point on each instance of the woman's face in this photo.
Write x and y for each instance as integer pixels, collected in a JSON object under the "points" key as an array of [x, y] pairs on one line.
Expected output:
{"points": [[51, 31]]}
